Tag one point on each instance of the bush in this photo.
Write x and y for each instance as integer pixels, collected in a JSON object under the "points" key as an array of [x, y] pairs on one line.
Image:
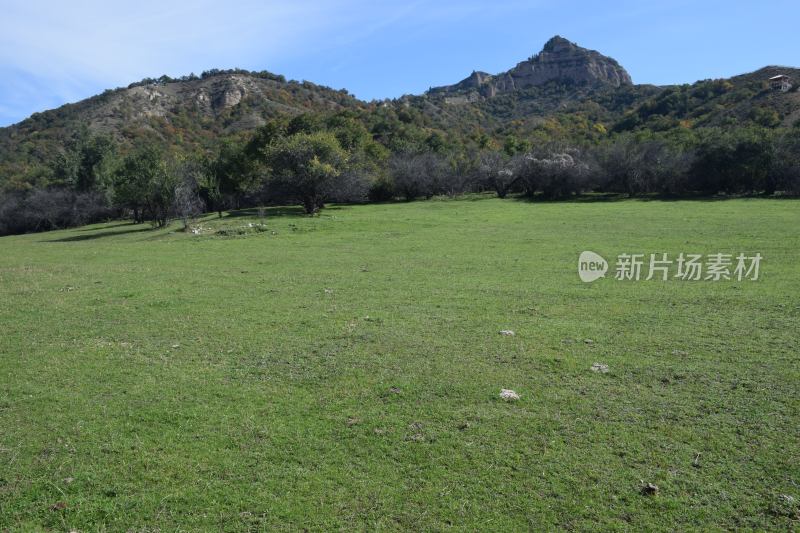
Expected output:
{"points": [[735, 162], [47, 209], [638, 166], [416, 175], [381, 190]]}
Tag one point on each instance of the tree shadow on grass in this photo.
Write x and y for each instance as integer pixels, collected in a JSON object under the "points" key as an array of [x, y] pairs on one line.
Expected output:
{"points": [[107, 225], [91, 236], [278, 211]]}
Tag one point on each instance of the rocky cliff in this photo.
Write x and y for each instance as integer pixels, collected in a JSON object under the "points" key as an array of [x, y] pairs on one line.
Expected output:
{"points": [[559, 60]]}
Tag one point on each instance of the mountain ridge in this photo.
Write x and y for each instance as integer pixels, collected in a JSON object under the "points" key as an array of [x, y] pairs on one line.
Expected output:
{"points": [[564, 89], [559, 59]]}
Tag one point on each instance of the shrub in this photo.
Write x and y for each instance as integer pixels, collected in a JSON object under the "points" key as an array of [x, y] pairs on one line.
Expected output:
{"points": [[47, 209]]}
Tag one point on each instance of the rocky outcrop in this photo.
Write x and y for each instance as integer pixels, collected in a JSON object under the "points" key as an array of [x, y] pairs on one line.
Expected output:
{"points": [[560, 60], [230, 92]]}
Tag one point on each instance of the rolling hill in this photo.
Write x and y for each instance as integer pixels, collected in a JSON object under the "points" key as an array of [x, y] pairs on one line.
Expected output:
{"points": [[563, 91]]}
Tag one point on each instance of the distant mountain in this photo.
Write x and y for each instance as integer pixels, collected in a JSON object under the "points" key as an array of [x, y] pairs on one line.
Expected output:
{"points": [[559, 60], [563, 91]]}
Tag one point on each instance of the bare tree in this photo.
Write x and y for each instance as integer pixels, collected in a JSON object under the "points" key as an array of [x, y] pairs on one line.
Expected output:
{"points": [[187, 203], [637, 166], [498, 172], [556, 172], [416, 175]]}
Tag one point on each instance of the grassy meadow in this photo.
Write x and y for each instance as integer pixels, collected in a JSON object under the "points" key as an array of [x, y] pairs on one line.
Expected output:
{"points": [[343, 372]]}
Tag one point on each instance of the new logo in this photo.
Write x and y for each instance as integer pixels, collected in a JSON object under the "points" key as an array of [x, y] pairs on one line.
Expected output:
{"points": [[591, 266]]}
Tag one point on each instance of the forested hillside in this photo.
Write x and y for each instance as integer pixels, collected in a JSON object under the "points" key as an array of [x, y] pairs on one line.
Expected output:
{"points": [[565, 121]]}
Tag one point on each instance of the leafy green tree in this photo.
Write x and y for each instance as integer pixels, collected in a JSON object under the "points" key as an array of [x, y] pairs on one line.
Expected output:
{"points": [[230, 175], [87, 164], [513, 145], [306, 165], [130, 184], [737, 161], [144, 184]]}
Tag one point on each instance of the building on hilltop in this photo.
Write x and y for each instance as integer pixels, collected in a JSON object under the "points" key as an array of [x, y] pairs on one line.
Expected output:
{"points": [[781, 83]]}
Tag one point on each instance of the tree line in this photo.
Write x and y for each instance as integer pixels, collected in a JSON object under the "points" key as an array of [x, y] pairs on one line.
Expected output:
{"points": [[313, 159]]}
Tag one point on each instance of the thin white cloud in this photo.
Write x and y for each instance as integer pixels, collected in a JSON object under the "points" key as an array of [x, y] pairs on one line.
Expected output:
{"points": [[113, 41], [71, 50]]}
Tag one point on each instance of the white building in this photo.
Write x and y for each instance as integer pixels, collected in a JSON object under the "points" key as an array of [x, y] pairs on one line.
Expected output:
{"points": [[781, 83]]}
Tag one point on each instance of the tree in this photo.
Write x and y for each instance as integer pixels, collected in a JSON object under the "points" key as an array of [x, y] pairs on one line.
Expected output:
{"points": [[86, 164], [186, 202], [416, 175], [737, 161], [497, 172], [144, 184], [556, 171], [636, 164], [306, 165], [130, 184], [231, 175], [786, 170]]}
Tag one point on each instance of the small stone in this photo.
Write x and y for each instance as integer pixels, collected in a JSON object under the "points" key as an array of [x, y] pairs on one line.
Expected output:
{"points": [[328, 291], [600, 367], [649, 489], [509, 395], [394, 390], [58, 506], [69, 480], [176, 345], [588, 341], [507, 332], [785, 505], [352, 421], [679, 352], [379, 431], [696, 461]]}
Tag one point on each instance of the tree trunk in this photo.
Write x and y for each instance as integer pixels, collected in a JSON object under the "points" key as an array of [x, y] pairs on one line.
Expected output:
{"points": [[310, 205]]}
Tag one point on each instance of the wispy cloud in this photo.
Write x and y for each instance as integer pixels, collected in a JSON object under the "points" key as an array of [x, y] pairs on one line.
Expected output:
{"points": [[65, 47], [53, 52]]}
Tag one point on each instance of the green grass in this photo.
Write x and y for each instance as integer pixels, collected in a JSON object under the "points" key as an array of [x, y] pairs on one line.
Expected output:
{"points": [[160, 380]]}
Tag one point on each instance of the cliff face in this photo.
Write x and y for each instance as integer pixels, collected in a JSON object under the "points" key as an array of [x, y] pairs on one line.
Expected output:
{"points": [[560, 59]]}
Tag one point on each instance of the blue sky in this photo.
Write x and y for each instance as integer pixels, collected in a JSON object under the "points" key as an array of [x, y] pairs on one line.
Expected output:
{"points": [[53, 52]]}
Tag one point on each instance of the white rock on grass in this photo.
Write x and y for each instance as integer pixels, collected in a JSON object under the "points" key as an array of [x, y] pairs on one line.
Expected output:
{"points": [[509, 395], [600, 367], [507, 332]]}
